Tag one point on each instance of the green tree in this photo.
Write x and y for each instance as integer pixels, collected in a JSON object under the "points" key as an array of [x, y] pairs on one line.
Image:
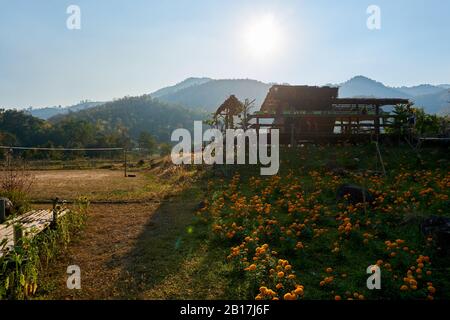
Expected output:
{"points": [[147, 142], [165, 149]]}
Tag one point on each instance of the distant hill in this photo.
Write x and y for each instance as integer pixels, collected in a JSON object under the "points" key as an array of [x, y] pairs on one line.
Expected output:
{"points": [[210, 94], [135, 115], [361, 86], [189, 82], [438, 103], [434, 99], [48, 112], [423, 89], [207, 94]]}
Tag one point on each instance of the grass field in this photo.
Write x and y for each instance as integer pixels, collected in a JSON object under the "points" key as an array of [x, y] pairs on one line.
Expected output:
{"points": [[285, 236]]}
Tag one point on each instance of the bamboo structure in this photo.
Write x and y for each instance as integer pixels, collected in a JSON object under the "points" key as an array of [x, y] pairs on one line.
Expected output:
{"points": [[306, 113]]}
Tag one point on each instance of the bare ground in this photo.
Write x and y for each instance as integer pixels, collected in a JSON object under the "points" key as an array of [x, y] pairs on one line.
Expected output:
{"points": [[147, 250]]}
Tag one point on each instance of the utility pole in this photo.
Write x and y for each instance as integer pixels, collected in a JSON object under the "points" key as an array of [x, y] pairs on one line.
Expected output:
{"points": [[125, 162]]}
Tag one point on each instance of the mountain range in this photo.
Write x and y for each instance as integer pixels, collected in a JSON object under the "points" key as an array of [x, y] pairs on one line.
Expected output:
{"points": [[206, 94], [48, 112]]}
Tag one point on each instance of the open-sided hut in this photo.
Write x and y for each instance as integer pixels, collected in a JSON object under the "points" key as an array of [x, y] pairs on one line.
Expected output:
{"points": [[311, 113]]}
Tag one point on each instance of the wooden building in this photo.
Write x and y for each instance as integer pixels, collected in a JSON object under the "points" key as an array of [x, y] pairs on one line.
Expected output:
{"points": [[316, 113]]}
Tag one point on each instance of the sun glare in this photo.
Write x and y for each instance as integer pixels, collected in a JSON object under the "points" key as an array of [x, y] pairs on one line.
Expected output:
{"points": [[262, 37]]}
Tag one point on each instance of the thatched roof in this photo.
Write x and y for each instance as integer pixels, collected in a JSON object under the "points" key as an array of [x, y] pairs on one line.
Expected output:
{"points": [[307, 98], [230, 106], [284, 98]]}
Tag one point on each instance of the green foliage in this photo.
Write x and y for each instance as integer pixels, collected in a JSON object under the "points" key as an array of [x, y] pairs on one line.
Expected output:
{"points": [[402, 114], [426, 124], [165, 149], [296, 215], [134, 115], [20, 268], [147, 142], [126, 122], [19, 199]]}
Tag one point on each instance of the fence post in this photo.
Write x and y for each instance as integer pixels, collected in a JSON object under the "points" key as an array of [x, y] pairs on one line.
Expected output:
{"points": [[125, 162], [2, 210], [17, 234], [54, 222]]}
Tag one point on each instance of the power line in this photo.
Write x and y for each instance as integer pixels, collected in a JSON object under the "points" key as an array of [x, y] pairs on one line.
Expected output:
{"points": [[60, 149]]}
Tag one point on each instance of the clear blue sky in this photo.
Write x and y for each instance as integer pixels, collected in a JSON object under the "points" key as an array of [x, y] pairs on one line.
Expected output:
{"points": [[134, 47]]}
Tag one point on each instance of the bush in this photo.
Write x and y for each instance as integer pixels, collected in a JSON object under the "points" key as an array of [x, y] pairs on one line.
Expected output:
{"points": [[15, 183], [21, 267]]}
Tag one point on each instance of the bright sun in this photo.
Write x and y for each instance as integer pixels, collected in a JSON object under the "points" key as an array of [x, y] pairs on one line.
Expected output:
{"points": [[262, 37]]}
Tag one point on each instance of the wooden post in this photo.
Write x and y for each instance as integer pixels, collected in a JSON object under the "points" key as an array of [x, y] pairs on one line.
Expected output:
{"points": [[2, 210], [17, 234], [380, 158], [292, 136], [54, 222], [257, 126], [377, 120], [125, 162]]}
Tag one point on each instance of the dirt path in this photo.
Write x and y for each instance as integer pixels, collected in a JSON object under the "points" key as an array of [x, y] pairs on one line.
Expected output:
{"points": [[107, 249], [143, 250]]}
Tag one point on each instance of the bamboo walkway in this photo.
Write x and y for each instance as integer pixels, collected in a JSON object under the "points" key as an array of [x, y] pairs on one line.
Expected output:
{"points": [[31, 223]]}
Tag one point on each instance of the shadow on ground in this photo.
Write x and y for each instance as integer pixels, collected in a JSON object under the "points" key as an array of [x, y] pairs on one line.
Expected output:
{"points": [[172, 258]]}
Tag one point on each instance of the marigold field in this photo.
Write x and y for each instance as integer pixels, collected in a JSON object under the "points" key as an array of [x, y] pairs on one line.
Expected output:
{"points": [[288, 237]]}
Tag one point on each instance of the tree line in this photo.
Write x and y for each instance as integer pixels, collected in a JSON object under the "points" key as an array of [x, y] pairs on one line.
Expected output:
{"points": [[131, 122]]}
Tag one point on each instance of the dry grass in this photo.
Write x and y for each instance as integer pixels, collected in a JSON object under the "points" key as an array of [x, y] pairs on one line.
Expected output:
{"points": [[94, 184], [147, 250]]}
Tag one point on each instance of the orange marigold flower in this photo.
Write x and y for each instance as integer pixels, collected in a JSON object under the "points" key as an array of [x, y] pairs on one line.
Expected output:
{"points": [[289, 296]]}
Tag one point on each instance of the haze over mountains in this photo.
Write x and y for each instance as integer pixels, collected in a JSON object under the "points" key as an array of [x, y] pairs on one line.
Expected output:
{"points": [[48, 112], [206, 94], [434, 99]]}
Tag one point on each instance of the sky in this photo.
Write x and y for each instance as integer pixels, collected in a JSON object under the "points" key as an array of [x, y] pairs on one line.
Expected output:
{"points": [[133, 47]]}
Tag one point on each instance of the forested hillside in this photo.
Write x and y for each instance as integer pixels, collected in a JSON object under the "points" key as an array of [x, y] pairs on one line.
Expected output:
{"points": [[127, 122], [135, 115], [209, 95]]}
